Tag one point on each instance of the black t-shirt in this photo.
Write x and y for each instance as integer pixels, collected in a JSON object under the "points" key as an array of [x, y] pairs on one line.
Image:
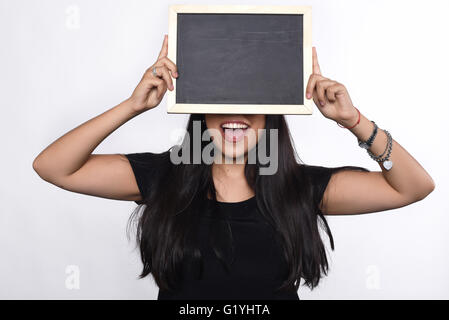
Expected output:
{"points": [[259, 266]]}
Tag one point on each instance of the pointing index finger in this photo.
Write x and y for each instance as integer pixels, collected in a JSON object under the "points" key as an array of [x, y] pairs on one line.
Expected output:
{"points": [[316, 66], [164, 50]]}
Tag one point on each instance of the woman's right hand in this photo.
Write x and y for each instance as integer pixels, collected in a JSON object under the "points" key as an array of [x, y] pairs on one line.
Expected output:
{"points": [[69, 163], [151, 89]]}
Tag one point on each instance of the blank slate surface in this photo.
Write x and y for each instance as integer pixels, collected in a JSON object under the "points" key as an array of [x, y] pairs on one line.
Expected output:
{"points": [[240, 58]]}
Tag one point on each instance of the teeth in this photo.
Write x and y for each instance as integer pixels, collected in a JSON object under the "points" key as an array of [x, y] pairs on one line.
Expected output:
{"points": [[233, 125]]}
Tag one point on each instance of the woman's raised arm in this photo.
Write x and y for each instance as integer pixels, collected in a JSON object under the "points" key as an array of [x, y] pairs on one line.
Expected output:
{"points": [[353, 192], [69, 163]]}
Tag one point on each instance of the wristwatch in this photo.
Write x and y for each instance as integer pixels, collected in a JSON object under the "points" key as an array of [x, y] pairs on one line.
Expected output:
{"points": [[368, 143]]}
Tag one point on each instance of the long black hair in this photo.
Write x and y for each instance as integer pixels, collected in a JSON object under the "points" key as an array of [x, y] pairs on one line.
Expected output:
{"points": [[170, 213]]}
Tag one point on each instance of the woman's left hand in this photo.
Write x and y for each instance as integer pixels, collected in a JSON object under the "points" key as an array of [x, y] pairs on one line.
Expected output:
{"points": [[331, 97]]}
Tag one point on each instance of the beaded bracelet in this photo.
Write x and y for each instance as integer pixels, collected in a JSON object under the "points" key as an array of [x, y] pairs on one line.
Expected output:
{"points": [[387, 164]]}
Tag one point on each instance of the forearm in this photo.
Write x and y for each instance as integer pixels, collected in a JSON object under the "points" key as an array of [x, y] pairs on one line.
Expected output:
{"points": [[406, 176], [68, 153]]}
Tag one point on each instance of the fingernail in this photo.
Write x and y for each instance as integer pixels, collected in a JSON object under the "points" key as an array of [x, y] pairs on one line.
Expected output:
{"points": [[322, 103], [172, 87], [308, 95], [175, 74]]}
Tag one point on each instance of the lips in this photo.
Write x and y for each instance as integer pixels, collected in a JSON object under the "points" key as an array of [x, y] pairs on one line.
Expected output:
{"points": [[234, 130]]}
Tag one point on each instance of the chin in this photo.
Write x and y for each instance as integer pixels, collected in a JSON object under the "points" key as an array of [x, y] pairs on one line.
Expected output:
{"points": [[234, 155]]}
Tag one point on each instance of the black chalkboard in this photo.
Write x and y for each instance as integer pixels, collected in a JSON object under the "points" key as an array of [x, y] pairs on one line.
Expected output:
{"points": [[228, 58]]}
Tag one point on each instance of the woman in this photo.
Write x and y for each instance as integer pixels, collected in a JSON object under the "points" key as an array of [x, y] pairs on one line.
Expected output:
{"points": [[224, 230]]}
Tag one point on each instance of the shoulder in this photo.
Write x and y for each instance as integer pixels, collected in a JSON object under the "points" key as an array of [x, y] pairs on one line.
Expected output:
{"points": [[320, 172], [149, 168], [149, 164], [315, 170], [319, 177], [149, 158]]}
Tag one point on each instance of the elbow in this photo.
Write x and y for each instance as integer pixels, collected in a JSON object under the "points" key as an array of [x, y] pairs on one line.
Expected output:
{"points": [[36, 165], [430, 188], [425, 191], [38, 168], [45, 172]]}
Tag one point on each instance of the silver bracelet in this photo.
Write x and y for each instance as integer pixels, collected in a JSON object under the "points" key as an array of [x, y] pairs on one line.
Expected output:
{"points": [[386, 162], [377, 158]]}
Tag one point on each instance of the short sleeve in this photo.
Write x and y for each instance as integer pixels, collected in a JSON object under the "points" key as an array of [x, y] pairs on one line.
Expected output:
{"points": [[147, 168], [320, 176]]}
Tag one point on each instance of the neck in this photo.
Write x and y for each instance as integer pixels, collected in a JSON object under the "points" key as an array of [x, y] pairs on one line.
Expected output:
{"points": [[230, 182], [228, 170], [229, 167]]}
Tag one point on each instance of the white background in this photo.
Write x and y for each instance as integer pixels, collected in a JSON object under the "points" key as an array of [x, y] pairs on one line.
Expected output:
{"points": [[64, 62]]}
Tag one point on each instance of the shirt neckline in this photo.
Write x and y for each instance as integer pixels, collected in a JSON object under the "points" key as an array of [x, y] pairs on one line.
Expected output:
{"points": [[233, 204]]}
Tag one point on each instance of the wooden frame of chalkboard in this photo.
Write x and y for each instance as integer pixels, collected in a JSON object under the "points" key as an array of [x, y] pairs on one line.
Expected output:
{"points": [[216, 76]]}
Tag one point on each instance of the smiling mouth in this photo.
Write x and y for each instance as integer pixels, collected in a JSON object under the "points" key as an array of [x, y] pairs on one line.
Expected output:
{"points": [[234, 131]]}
